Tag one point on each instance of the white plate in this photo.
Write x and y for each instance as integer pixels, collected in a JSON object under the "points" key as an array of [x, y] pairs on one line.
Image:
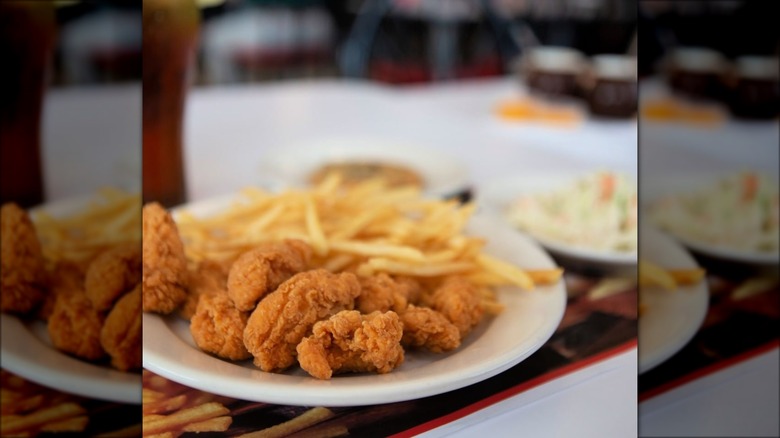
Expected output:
{"points": [[496, 196], [443, 175], [528, 321], [669, 185], [26, 350], [670, 318]]}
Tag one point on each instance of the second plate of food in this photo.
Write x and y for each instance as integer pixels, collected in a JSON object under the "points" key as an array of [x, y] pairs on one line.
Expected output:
{"points": [[303, 164], [585, 219], [501, 341]]}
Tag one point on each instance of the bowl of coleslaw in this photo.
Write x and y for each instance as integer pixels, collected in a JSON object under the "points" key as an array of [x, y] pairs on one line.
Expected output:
{"points": [[588, 217], [730, 216]]}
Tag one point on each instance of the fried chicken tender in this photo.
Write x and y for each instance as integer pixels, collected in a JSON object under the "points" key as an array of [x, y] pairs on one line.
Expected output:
{"points": [[459, 301], [382, 293], [113, 273], [22, 268], [288, 314], [428, 329], [208, 278], [218, 327], [351, 342], [74, 326], [413, 288], [261, 270], [164, 264], [121, 333], [66, 278]]}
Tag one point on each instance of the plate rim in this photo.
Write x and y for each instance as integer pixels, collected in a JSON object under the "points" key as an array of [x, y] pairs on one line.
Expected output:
{"points": [[113, 385], [702, 289], [413, 389]]}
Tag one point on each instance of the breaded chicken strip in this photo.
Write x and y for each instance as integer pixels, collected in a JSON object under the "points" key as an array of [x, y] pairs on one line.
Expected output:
{"points": [[66, 278], [121, 333], [113, 273], [382, 293], [209, 277], [74, 326], [218, 327], [428, 329], [164, 264], [261, 270], [351, 342], [22, 269], [458, 300], [286, 315], [414, 289]]}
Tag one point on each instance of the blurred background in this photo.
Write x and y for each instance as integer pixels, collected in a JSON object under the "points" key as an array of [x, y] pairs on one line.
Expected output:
{"points": [[391, 41], [709, 99]]}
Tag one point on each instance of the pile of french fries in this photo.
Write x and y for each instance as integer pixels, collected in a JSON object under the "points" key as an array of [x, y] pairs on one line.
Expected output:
{"points": [[27, 409], [171, 409], [368, 228], [112, 218]]}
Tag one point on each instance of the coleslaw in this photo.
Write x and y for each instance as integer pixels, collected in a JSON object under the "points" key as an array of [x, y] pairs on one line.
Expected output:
{"points": [[597, 211], [739, 212]]}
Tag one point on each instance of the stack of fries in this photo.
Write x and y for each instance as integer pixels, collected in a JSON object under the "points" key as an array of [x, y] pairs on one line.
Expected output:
{"points": [[368, 228], [111, 219], [27, 409], [170, 409]]}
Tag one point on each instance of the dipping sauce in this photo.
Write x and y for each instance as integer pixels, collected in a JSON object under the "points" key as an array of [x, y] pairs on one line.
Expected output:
{"points": [[354, 172]]}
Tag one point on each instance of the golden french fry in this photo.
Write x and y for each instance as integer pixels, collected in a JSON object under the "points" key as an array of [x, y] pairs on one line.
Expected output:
{"points": [[43, 416], [306, 419], [165, 405], [406, 253], [151, 396], [651, 274], [186, 416], [753, 286], [22, 405], [545, 276], [610, 286], [686, 277], [75, 424], [217, 424], [503, 269], [428, 270], [314, 228]]}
